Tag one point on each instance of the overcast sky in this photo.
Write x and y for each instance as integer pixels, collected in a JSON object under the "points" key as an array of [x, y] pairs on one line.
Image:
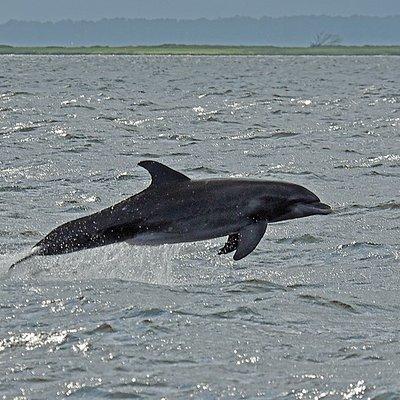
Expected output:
{"points": [[54, 10]]}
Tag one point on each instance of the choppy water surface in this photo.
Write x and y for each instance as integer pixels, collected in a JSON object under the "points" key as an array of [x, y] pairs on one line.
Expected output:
{"points": [[313, 313]]}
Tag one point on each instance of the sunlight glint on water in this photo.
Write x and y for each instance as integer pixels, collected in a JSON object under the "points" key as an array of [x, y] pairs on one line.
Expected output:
{"points": [[311, 314]]}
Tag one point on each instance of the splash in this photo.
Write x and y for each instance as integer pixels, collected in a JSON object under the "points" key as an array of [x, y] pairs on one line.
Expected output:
{"points": [[169, 265]]}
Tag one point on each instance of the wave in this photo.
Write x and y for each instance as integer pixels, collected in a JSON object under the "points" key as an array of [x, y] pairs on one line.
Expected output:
{"points": [[388, 205], [303, 239], [337, 304]]}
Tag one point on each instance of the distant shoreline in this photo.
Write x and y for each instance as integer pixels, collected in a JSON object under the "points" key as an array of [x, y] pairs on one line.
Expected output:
{"points": [[206, 50]]}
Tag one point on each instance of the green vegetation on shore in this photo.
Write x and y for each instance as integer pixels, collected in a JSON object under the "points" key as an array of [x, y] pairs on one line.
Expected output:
{"points": [[172, 49]]}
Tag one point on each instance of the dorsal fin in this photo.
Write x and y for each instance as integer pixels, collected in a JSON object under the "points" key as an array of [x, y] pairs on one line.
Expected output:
{"points": [[161, 174]]}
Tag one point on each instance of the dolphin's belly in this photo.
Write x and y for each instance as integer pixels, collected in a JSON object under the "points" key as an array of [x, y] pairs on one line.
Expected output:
{"points": [[159, 237]]}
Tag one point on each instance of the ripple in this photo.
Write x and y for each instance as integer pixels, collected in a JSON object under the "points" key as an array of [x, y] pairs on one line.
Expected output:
{"points": [[149, 313], [206, 170], [283, 135], [254, 286], [21, 127], [358, 245], [288, 170], [307, 238], [391, 160], [179, 137], [125, 176], [215, 93], [17, 189], [150, 155], [337, 304], [106, 118], [22, 93], [145, 103], [7, 95], [390, 205], [242, 311], [103, 328], [74, 104]]}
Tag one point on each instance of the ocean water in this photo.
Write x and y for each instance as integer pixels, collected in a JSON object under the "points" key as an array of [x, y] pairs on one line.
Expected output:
{"points": [[313, 313]]}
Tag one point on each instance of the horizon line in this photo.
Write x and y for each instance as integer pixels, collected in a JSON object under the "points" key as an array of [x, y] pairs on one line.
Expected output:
{"points": [[203, 18]]}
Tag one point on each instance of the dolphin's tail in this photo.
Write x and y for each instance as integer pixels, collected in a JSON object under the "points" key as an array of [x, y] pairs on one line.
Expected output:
{"points": [[34, 252]]}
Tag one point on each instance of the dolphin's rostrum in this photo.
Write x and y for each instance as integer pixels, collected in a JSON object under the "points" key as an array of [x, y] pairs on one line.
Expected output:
{"points": [[176, 209]]}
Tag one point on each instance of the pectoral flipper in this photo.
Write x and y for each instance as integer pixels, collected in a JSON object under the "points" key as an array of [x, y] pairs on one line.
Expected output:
{"points": [[248, 238]]}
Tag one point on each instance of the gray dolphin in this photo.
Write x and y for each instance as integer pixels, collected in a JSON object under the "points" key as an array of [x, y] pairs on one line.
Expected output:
{"points": [[176, 209]]}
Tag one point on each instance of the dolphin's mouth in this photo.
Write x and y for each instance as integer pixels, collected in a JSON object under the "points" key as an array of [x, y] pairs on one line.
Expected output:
{"points": [[313, 208]]}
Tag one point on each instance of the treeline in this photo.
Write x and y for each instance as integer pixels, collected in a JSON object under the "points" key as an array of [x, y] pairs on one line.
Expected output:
{"points": [[285, 31]]}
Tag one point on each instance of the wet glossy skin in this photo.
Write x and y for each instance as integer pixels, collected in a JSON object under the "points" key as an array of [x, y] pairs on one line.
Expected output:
{"points": [[185, 212]]}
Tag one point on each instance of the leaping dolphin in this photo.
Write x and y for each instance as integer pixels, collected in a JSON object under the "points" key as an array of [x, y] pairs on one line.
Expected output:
{"points": [[176, 209]]}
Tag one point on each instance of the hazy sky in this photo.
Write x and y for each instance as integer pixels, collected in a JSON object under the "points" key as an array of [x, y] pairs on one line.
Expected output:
{"points": [[44, 10]]}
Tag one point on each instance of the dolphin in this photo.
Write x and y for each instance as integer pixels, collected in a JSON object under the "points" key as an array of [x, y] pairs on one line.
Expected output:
{"points": [[176, 209]]}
